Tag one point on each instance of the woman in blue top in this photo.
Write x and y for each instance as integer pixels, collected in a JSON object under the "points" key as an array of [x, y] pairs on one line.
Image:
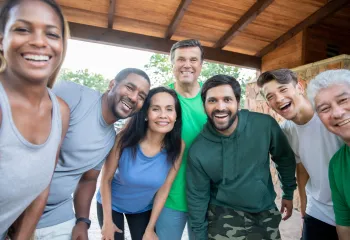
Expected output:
{"points": [[141, 168]]}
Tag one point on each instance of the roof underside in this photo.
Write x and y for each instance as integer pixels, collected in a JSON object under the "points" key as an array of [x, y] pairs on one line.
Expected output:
{"points": [[236, 32]]}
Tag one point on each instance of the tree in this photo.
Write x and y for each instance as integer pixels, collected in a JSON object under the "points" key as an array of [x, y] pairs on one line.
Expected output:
{"points": [[160, 71], [83, 77]]}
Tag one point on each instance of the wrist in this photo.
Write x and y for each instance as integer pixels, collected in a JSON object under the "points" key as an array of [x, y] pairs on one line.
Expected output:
{"points": [[83, 222]]}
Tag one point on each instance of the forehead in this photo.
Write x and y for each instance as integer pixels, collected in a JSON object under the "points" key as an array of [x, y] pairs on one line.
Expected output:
{"points": [[273, 86], [138, 81], [162, 99], [331, 93], [36, 12], [187, 52], [220, 92]]}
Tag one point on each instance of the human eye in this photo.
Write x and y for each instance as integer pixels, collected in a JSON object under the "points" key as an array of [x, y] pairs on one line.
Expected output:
{"points": [[343, 100], [21, 29], [283, 89], [324, 109], [53, 35]]}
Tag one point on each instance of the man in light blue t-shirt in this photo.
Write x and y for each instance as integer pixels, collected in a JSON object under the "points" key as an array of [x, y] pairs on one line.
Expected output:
{"points": [[89, 139]]}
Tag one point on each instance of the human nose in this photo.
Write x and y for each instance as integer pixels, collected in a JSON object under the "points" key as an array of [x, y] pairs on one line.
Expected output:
{"points": [[279, 97], [220, 105], [337, 111], [38, 39], [133, 96]]}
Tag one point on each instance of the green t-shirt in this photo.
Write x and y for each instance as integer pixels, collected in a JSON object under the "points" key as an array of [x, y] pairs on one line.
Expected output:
{"points": [[193, 119], [339, 179]]}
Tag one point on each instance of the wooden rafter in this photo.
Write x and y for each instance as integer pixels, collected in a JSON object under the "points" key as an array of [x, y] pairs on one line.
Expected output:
{"points": [[161, 45], [111, 12], [323, 12], [180, 12], [247, 18]]}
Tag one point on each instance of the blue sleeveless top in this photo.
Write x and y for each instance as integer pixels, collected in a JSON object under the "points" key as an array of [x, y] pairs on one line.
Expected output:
{"points": [[136, 181]]}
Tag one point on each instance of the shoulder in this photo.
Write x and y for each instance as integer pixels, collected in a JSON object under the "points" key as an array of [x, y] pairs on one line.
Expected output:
{"points": [[340, 155], [65, 114], [197, 145]]}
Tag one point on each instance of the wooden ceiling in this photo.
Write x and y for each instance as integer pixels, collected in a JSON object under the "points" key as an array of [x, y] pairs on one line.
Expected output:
{"points": [[236, 32]]}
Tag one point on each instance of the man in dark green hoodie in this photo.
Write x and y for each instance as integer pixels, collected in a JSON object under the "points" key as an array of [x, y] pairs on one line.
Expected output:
{"points": [[230, 193]]}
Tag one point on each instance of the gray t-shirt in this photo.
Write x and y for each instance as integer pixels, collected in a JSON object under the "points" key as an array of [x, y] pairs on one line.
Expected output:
{"points": [[314, 147], [87, 143], [25, 168]]}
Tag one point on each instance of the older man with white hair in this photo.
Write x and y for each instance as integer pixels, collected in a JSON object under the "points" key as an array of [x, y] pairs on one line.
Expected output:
{"points": [[329, 93]]}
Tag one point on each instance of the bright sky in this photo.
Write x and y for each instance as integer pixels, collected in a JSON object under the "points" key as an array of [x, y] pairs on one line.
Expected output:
{"points": [[104, 59], [108, 60]]}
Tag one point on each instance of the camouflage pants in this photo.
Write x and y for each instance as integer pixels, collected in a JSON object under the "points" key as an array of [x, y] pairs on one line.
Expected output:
{"points": [[228, 224]]}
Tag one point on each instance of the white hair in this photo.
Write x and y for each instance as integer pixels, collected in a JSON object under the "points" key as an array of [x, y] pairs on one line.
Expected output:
{"points": [[325, 80]]}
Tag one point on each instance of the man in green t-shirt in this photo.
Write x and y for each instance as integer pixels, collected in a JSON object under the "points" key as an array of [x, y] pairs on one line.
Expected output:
{"points": [[329, 92], [187, 59]]}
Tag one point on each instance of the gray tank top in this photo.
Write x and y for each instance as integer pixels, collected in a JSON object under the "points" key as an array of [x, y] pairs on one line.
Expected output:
{"points": [[25, 168]]}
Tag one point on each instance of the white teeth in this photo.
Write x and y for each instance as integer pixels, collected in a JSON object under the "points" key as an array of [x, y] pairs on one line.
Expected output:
{"points": [[126, 105], [343, 122], [36, 57], [284, 105]]}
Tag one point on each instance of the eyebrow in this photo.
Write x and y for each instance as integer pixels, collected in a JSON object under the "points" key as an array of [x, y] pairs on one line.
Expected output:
{"points": [[155, 105], [134, 86], [341, 94], [29, 23]]}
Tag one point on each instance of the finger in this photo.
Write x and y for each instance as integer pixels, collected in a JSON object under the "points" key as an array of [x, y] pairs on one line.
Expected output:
{"points": [[282, 208], [288, 214], [118, 230]]}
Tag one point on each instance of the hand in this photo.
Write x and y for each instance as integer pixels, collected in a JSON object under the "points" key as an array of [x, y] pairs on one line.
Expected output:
{"points": [[80, 231], [286, 207], [149, 235], [108, 230]]}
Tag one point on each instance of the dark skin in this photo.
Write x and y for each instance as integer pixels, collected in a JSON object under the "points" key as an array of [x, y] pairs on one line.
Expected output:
{"points": [[82, 202]]}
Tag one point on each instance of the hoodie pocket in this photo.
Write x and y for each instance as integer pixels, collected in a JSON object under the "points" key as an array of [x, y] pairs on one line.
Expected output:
{"points": [[252, 195]]}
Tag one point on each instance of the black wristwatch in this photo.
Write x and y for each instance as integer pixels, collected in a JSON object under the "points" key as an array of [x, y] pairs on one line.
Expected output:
{"points": [[85, 220]]}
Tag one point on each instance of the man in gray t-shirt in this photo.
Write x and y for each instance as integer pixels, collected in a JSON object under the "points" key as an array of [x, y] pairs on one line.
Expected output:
{"points": [[89, 139]]}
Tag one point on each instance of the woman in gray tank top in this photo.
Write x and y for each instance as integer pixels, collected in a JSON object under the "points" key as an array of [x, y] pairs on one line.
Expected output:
{"points": [[32, 119]]}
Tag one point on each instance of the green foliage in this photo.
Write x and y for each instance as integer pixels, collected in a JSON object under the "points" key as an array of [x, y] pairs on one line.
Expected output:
{"points": [[84, 77], [159, 69]]}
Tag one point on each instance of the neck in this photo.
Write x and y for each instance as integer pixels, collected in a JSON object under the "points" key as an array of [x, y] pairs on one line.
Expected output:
{"points": [[154, 139], [187, 90], [33, 93], [305, 113], [107, 114]]}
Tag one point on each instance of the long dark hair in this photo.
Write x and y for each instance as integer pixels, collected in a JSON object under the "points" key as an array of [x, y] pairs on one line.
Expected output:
{"points": [[136, 128]]}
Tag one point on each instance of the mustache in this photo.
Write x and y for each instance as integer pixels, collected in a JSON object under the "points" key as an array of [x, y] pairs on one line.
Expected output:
{"points": [[128, 101], [221, 112]]}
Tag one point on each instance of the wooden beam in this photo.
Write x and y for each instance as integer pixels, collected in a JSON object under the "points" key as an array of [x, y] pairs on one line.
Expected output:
{"points": [[247, 18], [322, 13], [180, 12], [111, 12], [154, 44]]}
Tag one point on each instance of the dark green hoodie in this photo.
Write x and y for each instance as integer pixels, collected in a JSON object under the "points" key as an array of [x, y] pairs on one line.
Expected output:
{"points": [[234, 171]]}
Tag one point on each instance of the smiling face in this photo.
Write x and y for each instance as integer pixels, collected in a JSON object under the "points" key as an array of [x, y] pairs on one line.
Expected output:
{"points": [[127, 96], [32, 42], [221, 107], [187, 64], [161, 113], [333, 107], [285, 99]]}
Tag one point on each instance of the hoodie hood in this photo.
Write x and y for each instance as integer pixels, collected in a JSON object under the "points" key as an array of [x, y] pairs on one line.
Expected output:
{"points": [[229, 144]]}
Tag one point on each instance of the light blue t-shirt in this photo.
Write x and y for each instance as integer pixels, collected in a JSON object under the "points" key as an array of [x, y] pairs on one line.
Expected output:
{"points": [[136, 181], [87, 143]]}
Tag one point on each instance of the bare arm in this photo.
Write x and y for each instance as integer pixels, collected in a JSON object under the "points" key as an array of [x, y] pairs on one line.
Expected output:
{"points": [[302, 178], [26, 223], [108, 172], [343, 232], [162, 194]]}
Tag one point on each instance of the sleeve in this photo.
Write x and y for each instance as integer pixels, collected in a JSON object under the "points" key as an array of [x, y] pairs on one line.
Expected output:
{"points": [[342, 212], [282, 155], [70, 93], [198, 195], [99, 166], [289, 135]]}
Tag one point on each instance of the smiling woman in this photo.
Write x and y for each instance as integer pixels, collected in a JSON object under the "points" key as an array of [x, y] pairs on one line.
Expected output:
{"points": [[33, 121], [147, 154]]}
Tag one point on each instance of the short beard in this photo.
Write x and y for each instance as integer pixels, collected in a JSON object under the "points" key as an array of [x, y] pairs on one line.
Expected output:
{"points": [[229, 124]]}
